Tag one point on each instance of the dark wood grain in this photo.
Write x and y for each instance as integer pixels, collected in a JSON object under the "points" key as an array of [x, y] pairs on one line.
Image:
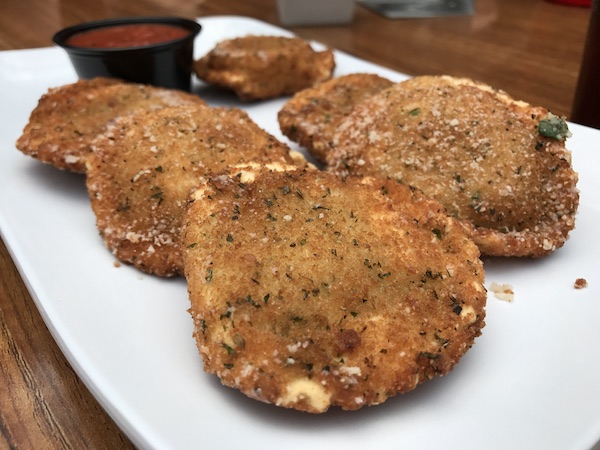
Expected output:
{"points": [[43, 403], [532, 49]]}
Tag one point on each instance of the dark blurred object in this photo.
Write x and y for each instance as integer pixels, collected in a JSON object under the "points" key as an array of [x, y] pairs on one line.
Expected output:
{"points": [[586, 107], [586, 3], [400, 9], [166, 64], [315, 12]]}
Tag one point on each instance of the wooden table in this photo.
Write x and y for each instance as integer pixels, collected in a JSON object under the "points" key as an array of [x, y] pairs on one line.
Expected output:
{"points": [[532, 49]]}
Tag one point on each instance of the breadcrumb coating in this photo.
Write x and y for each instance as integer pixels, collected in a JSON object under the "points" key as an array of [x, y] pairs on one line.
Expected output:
{"points": [[67, 118], [260, 67], [308, 291], [497, 164], [311, 116], [141, 171]]}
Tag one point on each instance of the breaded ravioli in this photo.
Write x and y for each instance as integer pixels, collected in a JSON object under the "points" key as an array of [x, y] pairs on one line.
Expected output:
{"points": [[308, 291], [497, 164], [310, 117], [141, 171], [68, 118], [261, 67]]}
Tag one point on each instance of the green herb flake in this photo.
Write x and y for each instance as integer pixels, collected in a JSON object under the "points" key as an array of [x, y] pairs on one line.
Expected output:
{"points": [[229, 238], [122, 207], [554, 127], [228, 348], [157, 194], [414, 112], [248, 299], [429, 355], [209, 275], [443, 342], [239, 341], [455, 305], [438, 233]]}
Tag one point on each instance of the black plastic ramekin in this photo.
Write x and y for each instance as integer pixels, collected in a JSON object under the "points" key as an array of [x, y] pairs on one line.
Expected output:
{"points": [[166, 64]]}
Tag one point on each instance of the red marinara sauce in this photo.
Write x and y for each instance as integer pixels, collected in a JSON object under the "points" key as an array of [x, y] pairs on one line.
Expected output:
{"points": [[130, 35]]}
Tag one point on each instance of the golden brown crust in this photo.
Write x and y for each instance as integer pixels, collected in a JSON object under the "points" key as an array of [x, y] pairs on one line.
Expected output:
{"points": [[310, 117], [477, 151], [68, 118], [308, 291], [142, 169], [260, 67]]}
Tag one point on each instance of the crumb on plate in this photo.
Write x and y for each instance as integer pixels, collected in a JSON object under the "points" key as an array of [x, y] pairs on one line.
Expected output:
{"points": [[580, 283], [503, 291]]}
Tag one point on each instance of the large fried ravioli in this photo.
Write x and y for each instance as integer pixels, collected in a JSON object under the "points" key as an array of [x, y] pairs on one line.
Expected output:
{"points": [[308, 291], [497, 164], [142, 169], [311, 116], [68, 118], [260, 67]]}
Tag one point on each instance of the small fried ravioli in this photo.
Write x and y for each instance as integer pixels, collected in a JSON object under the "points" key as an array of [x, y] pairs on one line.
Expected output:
{"points": [[497, 164], [68, 118], [261, 67], [308, 291], [310, 117], [141, 170]]}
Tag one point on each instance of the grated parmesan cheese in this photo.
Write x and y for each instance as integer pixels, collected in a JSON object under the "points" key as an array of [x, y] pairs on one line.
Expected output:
{"points": [[503, 291]]}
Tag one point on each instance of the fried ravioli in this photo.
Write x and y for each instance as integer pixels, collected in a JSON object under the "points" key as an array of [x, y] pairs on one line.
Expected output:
{"points": [[261, 67], [308, 291], [497, 164], [141, 171], [68, 118], [310, 117]]}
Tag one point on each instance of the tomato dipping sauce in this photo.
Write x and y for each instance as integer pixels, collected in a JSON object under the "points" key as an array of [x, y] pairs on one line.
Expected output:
{"points": [[130, 35]]}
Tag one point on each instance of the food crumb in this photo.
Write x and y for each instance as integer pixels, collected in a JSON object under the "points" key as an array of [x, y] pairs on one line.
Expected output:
{"points": [[503, 291], [117, 264], [580, 283]]}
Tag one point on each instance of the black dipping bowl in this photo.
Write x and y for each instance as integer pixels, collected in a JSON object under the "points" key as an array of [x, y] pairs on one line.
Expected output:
{"points": [[167, 64]]}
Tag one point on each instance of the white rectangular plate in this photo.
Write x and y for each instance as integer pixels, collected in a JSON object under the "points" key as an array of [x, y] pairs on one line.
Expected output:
{"points": [[530, 381]]}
